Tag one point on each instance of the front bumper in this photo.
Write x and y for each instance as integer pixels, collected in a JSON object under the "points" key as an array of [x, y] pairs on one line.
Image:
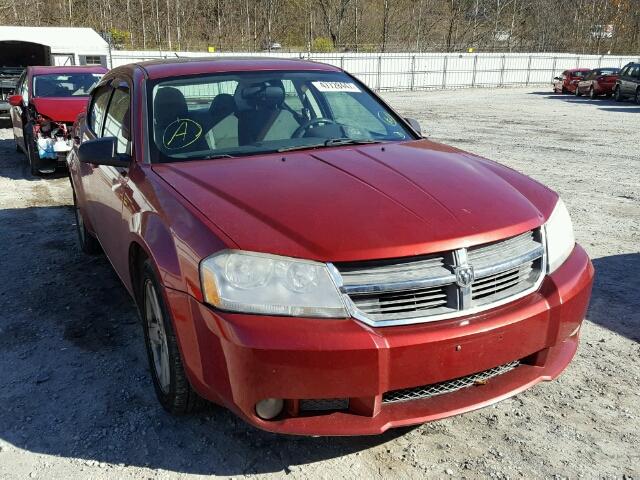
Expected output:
{"points": [[237, 360]]}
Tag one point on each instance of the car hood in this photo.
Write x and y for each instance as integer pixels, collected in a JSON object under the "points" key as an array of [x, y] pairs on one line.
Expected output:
{"points": [[60, 109], [365, 202]]}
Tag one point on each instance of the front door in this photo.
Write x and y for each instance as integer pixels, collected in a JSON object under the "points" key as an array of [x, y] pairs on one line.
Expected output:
{"points": [[105, 186], [19, 114]]}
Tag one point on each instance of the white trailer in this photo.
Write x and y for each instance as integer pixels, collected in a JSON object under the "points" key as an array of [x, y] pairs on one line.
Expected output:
{"points": [[24, 46]]}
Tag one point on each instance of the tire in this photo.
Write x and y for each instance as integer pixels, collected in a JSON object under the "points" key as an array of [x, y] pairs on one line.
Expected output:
{"points": [[577, 92], [88, 243], [592, 94], [172, 387], [32, 156], [618, 94], [637, 96], [564, 90]]}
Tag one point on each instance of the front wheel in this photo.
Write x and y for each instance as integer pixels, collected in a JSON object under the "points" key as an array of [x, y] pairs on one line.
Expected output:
{"points": [[173, 390], [618, 94], [32, 155], [637, 98], [592, 93], [577, 92]]}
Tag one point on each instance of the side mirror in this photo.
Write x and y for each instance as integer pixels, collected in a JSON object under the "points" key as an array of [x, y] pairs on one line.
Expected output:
{"points": [[414, 124], [15, 100], [103, 151]]}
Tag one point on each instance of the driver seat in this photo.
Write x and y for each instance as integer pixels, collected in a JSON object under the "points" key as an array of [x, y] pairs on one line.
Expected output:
{"points": [[260, 113]]}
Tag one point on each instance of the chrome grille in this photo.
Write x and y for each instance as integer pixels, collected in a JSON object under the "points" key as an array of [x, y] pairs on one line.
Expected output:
{"points": [[426, 288], [428, 391]]}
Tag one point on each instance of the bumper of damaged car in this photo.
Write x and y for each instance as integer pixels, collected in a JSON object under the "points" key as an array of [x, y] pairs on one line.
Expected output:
{"points": [[5, 110], [356, 373]]}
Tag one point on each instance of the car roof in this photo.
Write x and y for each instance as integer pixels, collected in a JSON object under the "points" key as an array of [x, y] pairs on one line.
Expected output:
{"points": [[192, 66], [67, 69]]}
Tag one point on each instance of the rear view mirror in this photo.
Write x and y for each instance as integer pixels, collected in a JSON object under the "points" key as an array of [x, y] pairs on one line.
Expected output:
{"points": [[15, 100], [414, 124], [103, 151]]}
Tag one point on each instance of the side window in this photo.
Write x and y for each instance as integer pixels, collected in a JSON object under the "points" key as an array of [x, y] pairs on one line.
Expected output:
{"points": [[624, 71], [98, 109], [633, 71], [291, 97], [118, 122]]}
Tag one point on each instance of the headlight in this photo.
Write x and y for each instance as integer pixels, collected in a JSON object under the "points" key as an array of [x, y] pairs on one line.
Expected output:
{"points": [[271, 285], [560, 239]]}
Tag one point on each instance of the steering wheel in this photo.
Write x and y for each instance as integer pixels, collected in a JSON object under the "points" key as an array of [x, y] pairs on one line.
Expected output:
{"points": [[300, 131]]}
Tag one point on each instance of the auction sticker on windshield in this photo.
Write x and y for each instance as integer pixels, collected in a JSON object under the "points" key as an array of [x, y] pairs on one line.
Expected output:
{"points": [[336, 87]]}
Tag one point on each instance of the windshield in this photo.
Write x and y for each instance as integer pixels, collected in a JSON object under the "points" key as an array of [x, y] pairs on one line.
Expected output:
{"points": [[248, 113], [64, 85]]}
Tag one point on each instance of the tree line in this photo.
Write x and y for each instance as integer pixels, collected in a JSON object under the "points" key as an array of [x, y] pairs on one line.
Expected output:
{"points": [[582, 26]]}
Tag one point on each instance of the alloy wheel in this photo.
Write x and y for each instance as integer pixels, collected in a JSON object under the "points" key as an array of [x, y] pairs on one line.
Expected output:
{"points": [[157, 335]]}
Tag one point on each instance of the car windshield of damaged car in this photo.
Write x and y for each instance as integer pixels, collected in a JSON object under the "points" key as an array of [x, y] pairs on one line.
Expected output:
{"points": [[249, 113], [65, 85]]}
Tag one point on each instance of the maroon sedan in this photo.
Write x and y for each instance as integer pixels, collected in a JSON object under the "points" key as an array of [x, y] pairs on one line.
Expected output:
{"points": [[601, 81], [302, 256], [568, 81]]}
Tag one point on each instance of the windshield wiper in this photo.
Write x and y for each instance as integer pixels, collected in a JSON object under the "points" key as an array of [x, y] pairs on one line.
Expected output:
{"points": [[332, 142], [214, 157]]}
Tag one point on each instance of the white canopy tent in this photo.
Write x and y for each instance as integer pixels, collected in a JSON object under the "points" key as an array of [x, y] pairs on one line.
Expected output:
{"points": [[65, 45]]}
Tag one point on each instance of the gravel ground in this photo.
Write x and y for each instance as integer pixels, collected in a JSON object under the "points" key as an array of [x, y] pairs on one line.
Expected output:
{"points": [[76, 401]]}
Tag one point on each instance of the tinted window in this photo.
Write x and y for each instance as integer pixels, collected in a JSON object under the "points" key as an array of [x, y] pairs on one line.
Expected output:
{"points": [[65, 85], [117, 121], [625, 71], [98, 109]]}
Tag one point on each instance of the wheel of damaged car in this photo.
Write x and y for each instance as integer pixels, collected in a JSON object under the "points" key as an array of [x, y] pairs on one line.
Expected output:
{"points": [[88, 243], [167, 371], [32, 155]]}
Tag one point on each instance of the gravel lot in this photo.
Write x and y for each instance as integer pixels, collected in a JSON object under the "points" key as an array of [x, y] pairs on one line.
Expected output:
{"points": [[76, 401]]}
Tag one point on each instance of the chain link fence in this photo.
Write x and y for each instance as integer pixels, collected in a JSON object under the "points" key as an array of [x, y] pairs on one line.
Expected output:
{"points": [[408, 72]]}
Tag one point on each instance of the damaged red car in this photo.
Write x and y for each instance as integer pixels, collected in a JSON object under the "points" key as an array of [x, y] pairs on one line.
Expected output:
{"points": [[302, 256], [45, 105]]}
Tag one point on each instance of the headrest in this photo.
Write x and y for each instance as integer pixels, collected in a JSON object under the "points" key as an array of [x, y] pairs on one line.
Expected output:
{"points": [[169, 105], [263, 95], [222, 105]]}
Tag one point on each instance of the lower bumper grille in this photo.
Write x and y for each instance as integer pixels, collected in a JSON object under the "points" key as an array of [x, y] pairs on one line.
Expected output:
{"points": [[324, 404], [428, 391]]}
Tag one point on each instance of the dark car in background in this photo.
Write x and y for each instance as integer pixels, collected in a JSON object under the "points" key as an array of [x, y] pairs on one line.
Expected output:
{"points": [[568, 81], [45, 105], [628, 83], [600, 81], [8, 79]]}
